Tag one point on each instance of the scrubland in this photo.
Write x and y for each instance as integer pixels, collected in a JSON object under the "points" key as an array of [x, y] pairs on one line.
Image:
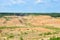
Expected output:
{"points": [[31, 27]]}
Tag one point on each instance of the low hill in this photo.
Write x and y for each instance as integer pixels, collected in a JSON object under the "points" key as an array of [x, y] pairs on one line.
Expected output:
{"points": [[39, 20]]}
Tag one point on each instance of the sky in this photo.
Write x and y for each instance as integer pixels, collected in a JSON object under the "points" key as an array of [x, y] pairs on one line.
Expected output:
{"points": [[30, 6]]}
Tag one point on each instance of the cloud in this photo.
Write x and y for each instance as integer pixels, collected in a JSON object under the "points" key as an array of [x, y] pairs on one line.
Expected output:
{"points": [[11, 2], [38, 1], [17, 1]]}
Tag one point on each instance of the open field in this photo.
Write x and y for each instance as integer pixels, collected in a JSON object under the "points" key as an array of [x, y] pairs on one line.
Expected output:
{"points": [[29, 27]]}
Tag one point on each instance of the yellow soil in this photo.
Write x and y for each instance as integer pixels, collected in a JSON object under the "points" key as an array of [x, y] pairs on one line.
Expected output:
{"points": [[33, 20]]}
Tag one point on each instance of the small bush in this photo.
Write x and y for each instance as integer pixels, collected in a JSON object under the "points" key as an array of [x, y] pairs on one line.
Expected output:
{"points": [[21, 38], [54, 38], [40, 34], [49, 33], [10, 36], [25, 33]]}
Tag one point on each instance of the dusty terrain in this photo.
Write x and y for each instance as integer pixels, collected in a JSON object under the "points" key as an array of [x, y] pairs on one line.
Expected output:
{"points": [[33, 20], [29, 27]]}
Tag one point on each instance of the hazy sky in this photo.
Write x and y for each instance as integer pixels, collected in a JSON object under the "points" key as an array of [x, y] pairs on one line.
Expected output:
{"points": [[37, 6]]}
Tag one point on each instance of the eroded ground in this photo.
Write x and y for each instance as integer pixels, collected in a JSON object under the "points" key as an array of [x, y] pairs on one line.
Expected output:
{"points": [[29, 27]]}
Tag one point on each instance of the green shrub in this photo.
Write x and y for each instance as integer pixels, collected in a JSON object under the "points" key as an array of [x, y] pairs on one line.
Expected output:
{"points": [[21, 38], [25, 33], [40, 34], [49, 33], [54, 38], [11, 35]]}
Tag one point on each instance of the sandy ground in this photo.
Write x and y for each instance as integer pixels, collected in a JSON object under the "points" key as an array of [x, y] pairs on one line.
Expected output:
{"points": [[33, 20], [28, 33]]}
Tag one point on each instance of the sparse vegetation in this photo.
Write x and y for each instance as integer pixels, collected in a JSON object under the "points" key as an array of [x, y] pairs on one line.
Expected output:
{"points": [[11, 35], [40, 34], [7, 19], [25, 33], [48, 33], [33, 28], [55, 38], [21, 38]]}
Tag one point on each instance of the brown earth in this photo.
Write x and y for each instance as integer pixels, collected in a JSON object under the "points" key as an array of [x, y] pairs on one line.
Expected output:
{"points": [[44, 20], [27, 33], [28, 29], [32, 20]]}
